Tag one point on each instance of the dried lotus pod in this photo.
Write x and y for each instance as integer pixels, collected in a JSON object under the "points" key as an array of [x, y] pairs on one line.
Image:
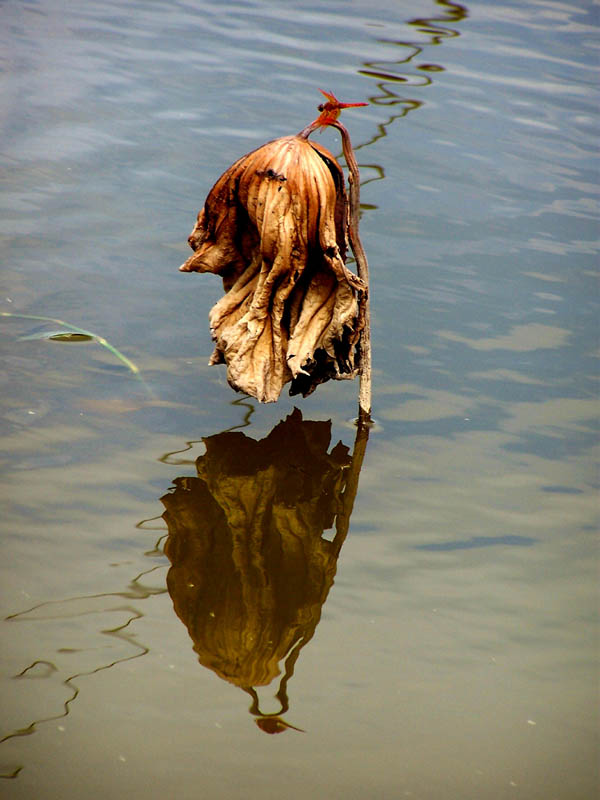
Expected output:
{"points": [[274, 227]]}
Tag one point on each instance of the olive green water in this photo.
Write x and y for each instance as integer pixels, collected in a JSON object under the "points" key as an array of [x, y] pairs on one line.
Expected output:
{"points": [[422, 606]]}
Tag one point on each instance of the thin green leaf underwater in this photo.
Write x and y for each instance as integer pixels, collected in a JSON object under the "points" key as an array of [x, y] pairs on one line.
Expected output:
{"points": [[74, 333]]}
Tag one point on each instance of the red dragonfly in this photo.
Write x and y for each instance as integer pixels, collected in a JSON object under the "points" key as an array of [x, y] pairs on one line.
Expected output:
{"points": [[330, 110]]}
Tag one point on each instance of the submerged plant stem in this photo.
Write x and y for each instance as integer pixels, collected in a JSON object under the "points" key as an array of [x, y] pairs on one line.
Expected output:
{"points": [[100, 339]]}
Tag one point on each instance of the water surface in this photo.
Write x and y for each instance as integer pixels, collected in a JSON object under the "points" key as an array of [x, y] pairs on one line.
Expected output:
{"points": [[431, 602]]}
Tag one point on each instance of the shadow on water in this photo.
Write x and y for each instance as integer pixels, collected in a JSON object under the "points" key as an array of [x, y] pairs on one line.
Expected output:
{"points": [[250, 565]]}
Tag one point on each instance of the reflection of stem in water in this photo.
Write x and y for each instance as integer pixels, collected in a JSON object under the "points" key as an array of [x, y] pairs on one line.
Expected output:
{"points": [[342, 521], [385, 72], [389, 74], [119, 633], [167, 458], [157, 550], [136, 591]]}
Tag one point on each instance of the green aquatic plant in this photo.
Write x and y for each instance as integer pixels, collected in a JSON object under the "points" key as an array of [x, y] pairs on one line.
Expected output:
{"points": [[73, 333]]}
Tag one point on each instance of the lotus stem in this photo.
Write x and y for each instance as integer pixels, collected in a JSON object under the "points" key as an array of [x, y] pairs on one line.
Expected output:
{"points": [[362, 266]]}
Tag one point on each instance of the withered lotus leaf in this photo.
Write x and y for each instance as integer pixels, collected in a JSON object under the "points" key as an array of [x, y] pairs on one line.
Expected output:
{"points": [[274, 227]]}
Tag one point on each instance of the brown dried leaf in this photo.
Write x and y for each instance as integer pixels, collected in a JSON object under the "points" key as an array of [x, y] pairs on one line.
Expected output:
{"points": [[274, 228]]}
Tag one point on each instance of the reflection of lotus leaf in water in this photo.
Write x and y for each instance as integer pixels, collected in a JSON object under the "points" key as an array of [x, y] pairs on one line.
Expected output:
{"points": [[250, 567]]}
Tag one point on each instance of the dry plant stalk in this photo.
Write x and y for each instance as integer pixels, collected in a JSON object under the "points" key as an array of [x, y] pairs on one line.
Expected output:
{"points": [[276, 227]]}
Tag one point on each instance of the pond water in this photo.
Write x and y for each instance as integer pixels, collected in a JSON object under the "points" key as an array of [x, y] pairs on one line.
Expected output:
{"points": [[437, 638]]}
